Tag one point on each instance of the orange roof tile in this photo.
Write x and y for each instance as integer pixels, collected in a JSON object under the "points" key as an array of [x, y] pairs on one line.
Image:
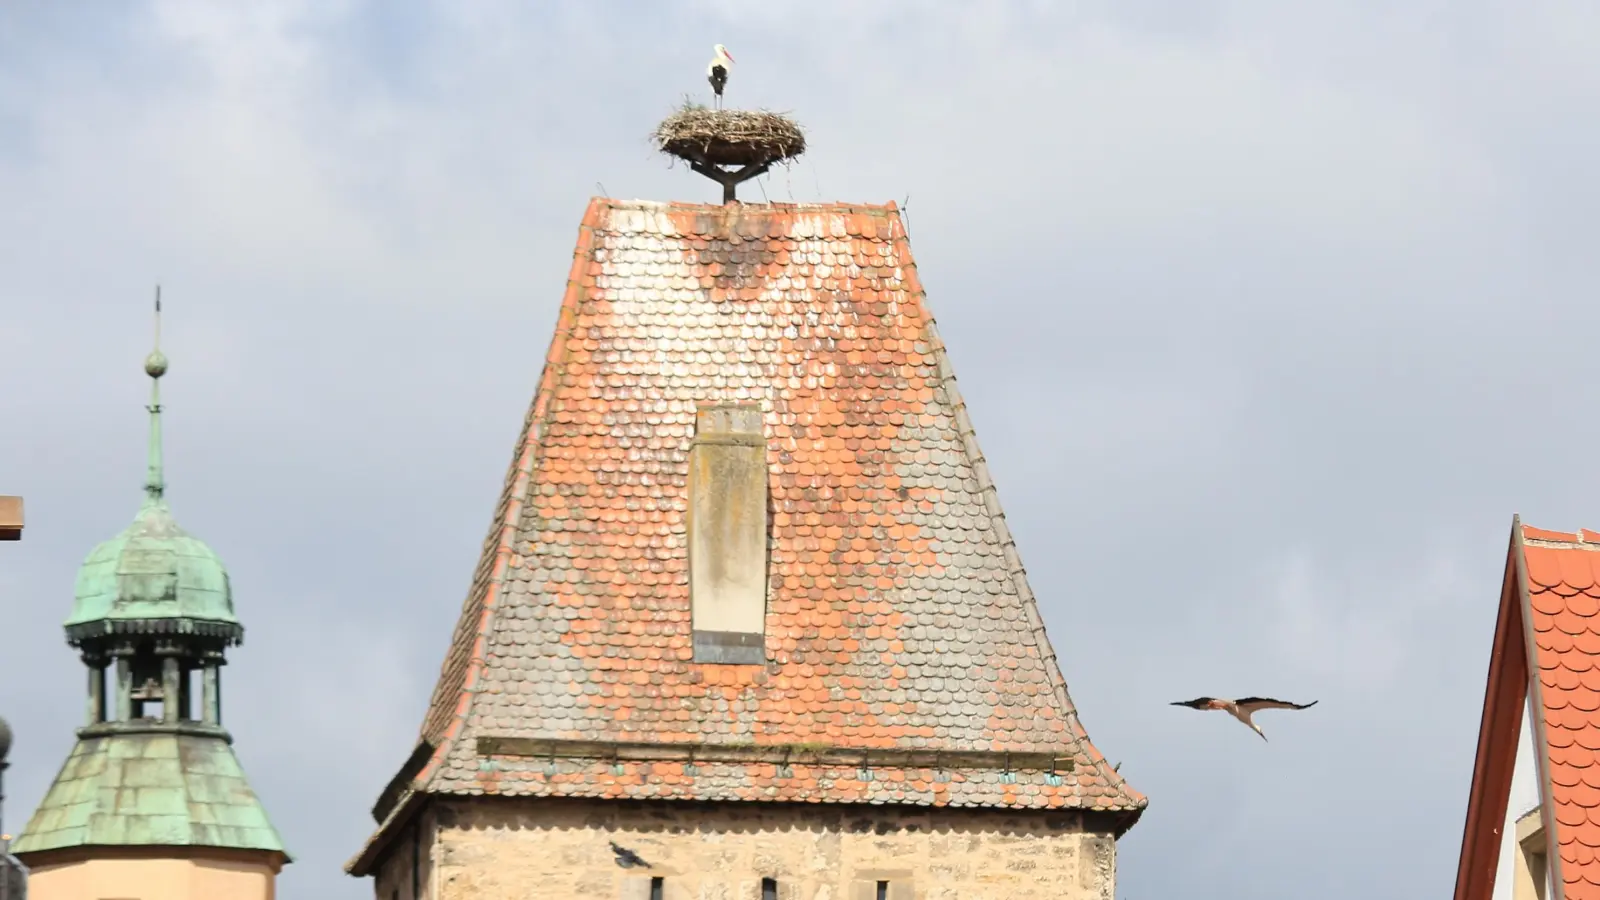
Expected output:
{"points": [[1550, 613], [899, 616]]}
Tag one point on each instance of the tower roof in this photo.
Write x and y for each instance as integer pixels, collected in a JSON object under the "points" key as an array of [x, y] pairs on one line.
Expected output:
{"points": [[154, 576], [903, 632], [150, 789]]}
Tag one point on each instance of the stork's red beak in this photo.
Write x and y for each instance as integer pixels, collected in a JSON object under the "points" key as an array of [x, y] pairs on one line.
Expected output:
{"points": [[728, 55]]}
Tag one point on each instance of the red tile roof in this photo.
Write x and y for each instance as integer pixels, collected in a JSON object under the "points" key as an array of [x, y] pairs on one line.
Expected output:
{"points": [[899, 617], [1550, 612]]}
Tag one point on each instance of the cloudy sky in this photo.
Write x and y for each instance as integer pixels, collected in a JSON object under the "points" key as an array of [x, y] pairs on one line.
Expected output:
{"points": [[1270, 316]]}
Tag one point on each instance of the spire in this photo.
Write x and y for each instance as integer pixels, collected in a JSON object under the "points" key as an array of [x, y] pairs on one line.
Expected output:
{"points": [[155, 365]]}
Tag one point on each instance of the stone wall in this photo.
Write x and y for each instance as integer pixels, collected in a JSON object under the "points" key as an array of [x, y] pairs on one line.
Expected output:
{"points": [[407, 869], [500, 849]]}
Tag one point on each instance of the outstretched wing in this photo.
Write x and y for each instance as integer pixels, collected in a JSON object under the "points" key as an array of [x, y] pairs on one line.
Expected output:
{"points": [[1197, 703], [1248, 705]]}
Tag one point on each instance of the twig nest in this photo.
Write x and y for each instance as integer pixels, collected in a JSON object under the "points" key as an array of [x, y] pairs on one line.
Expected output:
{"points": [[729, 137]]}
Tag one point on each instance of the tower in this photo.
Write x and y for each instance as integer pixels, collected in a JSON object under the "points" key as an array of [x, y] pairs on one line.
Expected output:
{"points": [[749, 619], [152, 802]]}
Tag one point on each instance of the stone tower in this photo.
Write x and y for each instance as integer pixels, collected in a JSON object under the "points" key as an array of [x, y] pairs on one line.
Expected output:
{"points": [[152, 804], [749, 621]]}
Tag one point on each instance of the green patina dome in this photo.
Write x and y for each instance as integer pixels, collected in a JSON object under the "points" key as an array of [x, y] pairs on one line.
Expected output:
{"points": [[153, 570], [154, 576]]}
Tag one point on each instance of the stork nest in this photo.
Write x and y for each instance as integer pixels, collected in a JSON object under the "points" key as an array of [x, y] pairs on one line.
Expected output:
{"points": [[729, 137]]}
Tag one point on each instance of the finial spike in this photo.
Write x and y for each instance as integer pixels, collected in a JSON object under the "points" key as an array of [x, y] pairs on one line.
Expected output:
{"points": [[155, 365]]}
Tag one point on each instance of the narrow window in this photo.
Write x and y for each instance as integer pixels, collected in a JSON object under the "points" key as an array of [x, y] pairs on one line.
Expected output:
{"points": [[727, 526], [656, 885], [769, 889], [883, 890]]}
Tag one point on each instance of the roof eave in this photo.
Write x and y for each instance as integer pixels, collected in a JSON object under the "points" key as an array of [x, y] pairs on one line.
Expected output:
{"points": [[1499, 731], [366, 860]]}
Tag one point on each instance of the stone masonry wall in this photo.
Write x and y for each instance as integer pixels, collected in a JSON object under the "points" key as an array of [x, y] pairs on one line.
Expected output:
{"points": [[395, 877], [500, 849]]}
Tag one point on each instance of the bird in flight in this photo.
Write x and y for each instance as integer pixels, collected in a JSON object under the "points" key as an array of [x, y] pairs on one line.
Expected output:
{"points": [[717, 72], [627, 858], [1243, 708]]}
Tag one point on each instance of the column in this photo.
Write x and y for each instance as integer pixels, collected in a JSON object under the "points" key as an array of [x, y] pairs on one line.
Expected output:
{"points": [[124, 683], [171, 672], [97, 689], [211, 693]]}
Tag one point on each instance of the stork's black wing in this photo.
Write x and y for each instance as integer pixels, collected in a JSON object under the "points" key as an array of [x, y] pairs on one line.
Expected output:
{"points": [[1197, 703], [1251, 704]]}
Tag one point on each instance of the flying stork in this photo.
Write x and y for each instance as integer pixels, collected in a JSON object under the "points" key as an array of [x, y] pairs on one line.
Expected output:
{"points": [[717, 72], [1243, 708]]}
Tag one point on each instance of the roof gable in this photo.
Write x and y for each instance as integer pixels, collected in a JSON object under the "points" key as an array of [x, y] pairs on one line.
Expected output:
{"points": [[1549, 616], [899, 615]]}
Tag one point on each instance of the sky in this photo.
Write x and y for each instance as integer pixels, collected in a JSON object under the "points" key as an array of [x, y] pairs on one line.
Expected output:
{"points": [[1270, 316]]}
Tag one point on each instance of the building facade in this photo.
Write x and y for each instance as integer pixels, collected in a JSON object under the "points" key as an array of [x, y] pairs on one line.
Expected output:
{"points": [[749, 621], [151, 804]]}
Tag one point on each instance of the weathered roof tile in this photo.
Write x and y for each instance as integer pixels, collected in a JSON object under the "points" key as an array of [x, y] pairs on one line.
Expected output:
{"points": [[141, 789]]}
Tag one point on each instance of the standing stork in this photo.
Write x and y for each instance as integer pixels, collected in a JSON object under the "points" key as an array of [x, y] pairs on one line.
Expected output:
{"points": [[717, 73], [1243, 708]]}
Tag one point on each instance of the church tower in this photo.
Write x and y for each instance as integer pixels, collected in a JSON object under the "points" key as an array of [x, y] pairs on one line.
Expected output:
{"points": [[152, 803]]}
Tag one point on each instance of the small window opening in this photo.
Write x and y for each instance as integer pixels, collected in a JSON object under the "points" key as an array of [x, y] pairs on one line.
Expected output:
{"points": [[656, 886], [883, 890], [769, 889], [1541, 877]]}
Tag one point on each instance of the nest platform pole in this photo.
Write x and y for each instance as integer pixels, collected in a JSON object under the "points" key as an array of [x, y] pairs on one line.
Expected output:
{"points": [[730, 179]]}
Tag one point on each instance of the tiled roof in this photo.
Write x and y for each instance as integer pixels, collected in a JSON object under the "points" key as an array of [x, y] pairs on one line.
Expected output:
{"points": [[149, 789], [898, 612], [1563, 578], [1549, 623]]}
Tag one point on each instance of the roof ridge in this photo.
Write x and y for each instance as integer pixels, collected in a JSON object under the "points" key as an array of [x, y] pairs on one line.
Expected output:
{"points": [[1582, 539], [997, 521], [742, 208], [1562, 545]]}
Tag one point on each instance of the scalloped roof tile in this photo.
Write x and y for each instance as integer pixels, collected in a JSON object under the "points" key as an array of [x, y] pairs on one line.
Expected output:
{"points": [[1563, 572]]}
